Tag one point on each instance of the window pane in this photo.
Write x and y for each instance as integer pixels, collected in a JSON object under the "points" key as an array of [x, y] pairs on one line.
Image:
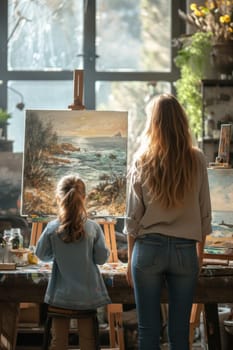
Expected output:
{"points": [[134, 97], [35, 95], [45, 35], [133, 35]]}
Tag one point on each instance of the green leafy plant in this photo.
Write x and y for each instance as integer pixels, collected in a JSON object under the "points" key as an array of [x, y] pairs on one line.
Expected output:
{"points": [[4, 115], [193, 61]]}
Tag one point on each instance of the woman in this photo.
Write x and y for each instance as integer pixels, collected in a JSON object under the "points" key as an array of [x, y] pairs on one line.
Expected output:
{"points": [[168, 217], [76, 245]]}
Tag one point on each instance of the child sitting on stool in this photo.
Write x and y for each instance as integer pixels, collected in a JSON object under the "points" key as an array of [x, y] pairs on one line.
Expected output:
{"points": [[76, 245]]}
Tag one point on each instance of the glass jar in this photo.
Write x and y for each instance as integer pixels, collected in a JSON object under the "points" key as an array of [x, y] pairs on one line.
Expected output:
{"points": [[16, 239]]}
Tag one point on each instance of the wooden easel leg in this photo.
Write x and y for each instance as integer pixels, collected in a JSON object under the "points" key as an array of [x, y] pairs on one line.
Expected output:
{"points": [[116, 329], [78, 91], [194, 321], [212, 326]]}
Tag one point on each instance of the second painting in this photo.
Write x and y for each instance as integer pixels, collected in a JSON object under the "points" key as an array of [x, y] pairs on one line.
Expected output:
{"points": [[92, 144]]}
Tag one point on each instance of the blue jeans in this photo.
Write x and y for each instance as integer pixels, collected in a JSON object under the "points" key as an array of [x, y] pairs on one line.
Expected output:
{"points": [[159, 260]]}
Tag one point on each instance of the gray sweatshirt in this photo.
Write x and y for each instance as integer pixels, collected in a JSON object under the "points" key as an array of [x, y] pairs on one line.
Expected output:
{"points": [[192, 220]]}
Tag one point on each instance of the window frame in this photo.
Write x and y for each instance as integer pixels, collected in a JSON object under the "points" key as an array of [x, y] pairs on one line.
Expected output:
{"points": [[91, 76]]}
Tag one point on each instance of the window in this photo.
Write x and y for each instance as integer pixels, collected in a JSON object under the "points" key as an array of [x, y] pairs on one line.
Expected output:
{"points": [[123, 46], [133, 35], [44, 35]]}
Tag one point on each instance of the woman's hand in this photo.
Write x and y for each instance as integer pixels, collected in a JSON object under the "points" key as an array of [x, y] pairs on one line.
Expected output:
{"points": [[129, 275], [131, 241]]}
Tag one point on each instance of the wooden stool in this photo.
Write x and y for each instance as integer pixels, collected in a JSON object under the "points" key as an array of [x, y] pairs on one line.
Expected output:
{"points": [[54, 312]]}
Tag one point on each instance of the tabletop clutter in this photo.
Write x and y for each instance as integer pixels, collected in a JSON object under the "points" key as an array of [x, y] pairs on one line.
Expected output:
{"points": [[12, 250]]}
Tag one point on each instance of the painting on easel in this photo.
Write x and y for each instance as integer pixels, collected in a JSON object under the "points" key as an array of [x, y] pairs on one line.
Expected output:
{"points": [[221, 193], [92, 144]]}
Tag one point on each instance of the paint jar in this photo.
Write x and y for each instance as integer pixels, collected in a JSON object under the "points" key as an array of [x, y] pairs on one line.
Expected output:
{"points": [[16, 239]]}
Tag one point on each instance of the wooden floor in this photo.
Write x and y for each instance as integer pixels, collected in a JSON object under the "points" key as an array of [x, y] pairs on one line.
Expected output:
{"points": [[33, 342]]}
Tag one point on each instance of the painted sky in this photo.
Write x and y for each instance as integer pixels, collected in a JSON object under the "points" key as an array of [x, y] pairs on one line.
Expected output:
{"points": [[221, 189], [84, 123]]}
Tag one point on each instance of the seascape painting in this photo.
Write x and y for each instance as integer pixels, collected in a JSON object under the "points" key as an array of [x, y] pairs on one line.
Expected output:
{"points": [[221, 193], [92, 144]]}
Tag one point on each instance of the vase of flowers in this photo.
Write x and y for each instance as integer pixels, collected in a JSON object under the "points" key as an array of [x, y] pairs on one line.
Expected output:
{"points": [[215, 17]]}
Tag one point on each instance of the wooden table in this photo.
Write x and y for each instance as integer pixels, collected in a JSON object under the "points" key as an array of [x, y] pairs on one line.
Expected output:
{"points": [[215, 285]]}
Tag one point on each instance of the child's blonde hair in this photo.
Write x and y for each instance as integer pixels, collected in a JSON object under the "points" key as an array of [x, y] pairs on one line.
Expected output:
{"points": [[72, 213]]}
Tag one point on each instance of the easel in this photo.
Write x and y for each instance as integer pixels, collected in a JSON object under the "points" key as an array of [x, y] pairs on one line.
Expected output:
{"points": [[222, 161], [78, 91], [115, 311]]}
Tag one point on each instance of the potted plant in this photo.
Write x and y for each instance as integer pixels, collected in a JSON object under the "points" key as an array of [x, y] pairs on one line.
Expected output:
{"points": [[213, 22], [215, 17], [4, 116], [192, 59]]}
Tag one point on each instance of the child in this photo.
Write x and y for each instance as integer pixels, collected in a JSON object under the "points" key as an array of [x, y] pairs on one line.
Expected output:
{"points": [[76, 245]]}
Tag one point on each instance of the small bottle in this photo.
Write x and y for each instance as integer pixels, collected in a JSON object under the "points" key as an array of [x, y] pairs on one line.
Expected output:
{"points": [[209, 125]]}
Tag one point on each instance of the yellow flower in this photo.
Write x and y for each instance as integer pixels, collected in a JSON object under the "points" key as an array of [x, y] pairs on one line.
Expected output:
{"points": [[214, 16], [225, 19], [198, 13], [193, 6], [210, 5]]}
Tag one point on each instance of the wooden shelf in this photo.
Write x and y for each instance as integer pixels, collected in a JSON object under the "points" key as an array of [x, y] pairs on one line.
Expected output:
{"points": [[211, 140], [217, 82]]}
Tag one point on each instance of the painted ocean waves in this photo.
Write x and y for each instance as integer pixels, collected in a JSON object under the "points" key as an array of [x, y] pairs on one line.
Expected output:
{"points": [[98, 154]]}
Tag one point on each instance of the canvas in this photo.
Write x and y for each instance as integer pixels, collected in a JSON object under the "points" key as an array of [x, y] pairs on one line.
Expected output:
{"points": [[10, 186], [221, 193], [92, 144]]}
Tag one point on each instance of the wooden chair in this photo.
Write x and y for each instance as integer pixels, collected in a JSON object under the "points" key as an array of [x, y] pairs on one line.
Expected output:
{"points": [[114, 311]]}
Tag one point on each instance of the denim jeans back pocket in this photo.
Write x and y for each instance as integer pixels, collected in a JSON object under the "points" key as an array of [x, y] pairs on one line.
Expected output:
{"points": [[187, 257], [148, 255]]}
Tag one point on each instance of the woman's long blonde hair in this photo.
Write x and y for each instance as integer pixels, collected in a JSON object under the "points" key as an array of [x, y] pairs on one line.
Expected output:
{"points": [[71, 208], [165, 161]]}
